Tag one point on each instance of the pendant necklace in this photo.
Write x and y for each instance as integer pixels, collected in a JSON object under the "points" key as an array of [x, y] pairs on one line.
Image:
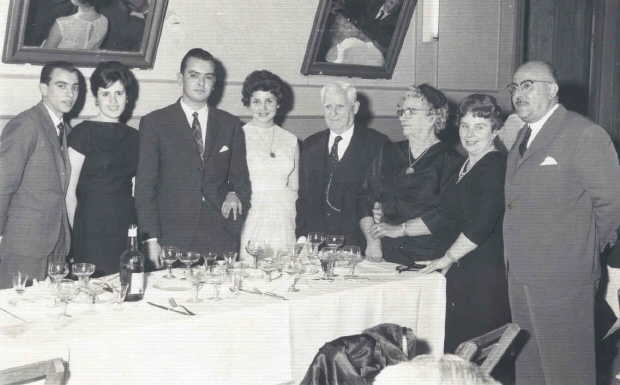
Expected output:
{"points": [[273, 132], [411, 162]]}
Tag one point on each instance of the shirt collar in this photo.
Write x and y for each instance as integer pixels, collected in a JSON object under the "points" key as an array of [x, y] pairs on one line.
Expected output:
{"points": [[55, 119], [346, 136], [537, 125], [189, 113]]}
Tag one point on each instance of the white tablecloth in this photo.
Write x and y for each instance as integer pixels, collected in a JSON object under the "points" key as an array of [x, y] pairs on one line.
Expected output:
{"points": [[247, 339]]}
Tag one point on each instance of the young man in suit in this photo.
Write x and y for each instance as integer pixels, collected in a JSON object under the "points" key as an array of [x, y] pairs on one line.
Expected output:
{"points": [[333, 166], [192, 184], [34, 176], [562, 194]]}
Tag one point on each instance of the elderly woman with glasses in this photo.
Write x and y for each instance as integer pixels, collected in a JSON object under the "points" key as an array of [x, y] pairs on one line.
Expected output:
{"points": [[407, 183]]}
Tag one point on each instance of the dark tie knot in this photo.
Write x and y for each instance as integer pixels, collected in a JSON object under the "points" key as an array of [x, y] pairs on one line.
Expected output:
{"points": [[526, 138], [333, 153], [61, 131]]}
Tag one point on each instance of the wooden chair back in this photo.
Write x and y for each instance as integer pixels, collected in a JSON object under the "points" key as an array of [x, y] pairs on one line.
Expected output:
{"points": [[53, 371], [487, 349]]}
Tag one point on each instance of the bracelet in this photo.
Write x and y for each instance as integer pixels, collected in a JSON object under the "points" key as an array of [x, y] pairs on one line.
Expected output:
{"points": [[403, 226]]}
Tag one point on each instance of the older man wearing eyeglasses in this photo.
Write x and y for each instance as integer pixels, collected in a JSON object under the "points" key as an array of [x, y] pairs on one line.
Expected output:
{"points": [[562, 194]]}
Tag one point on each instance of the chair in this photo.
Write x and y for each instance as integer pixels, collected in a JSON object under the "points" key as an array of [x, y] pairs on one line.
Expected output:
{"points": [[54, 371], [488, 348]]}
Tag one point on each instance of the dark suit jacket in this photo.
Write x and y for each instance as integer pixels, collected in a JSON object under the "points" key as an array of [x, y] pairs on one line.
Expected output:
{"points": [[558, 216], [34, 177], [350, 174], [171, 180]]}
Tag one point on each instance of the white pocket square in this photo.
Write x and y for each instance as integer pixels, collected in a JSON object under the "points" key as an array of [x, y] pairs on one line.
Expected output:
{"points": [[549, 161], [224, 148]]}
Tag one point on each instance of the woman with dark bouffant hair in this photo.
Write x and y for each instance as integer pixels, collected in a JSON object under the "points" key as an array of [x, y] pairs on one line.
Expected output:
{"points": [[272, 158], [104, 156], [85, 29]]}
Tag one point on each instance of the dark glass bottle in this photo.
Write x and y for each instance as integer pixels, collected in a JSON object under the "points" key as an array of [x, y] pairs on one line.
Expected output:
{"points": [[132, 267]]}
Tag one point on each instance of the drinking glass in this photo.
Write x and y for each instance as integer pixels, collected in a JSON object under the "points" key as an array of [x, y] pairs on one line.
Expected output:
{"points": [[57, 271], [328, 259], [237, 277], [256, 249], [66, 290], [188, 258], [83, 271], [19, 283], [197, 279], [216, 278], [169, 256], [315, 240], [293, 268], [354, 256], [210, 261]]}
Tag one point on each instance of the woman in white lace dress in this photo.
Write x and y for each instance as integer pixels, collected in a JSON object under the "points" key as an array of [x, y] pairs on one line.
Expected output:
{"points": [[272, 157], [85, 29]]}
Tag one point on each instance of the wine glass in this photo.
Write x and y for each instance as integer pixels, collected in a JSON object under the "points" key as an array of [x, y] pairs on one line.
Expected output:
{"points": [[256, 249], [197, 279], [270, 264], [57, 271], [188, 258], [83, 271], [169, 256], [216, 278], [66, 290], [353, 254], [293, 268], [315, 240]]}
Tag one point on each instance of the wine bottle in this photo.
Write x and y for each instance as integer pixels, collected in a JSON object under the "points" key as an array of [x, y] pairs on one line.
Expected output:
{"points": [[132, 267]]}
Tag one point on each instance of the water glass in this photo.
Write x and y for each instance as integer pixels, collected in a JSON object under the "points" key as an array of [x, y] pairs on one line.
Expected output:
{"points": [[216, 278], [354, 256], [19, 283], [169, 256], [197, 279], [66, 290], [328, 260], [237, 277]]}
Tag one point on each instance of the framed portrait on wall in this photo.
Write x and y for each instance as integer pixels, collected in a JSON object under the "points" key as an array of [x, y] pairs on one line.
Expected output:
{"points": [[84, 32], [357, 38]]}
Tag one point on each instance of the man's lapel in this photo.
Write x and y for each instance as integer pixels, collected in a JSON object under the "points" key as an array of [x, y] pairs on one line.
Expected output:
{"points": [[546, 135], [51, 136], [186, 131], [213, 130]]}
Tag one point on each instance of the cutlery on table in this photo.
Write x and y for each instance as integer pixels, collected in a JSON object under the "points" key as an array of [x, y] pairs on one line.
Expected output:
{"points": [[174, 303], [167, 308], [268, 293], [13, 315]]}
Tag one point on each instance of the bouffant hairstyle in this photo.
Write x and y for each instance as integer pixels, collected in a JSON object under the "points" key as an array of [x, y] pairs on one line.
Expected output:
{"points": [[109, 72], [482, 106], [263, 80]]}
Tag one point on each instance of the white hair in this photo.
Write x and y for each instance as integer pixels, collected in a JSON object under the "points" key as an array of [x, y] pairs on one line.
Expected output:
{"points": [[347, 89]]}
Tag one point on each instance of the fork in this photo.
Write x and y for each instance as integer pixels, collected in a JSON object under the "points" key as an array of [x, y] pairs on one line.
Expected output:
{"points": [[174, 303]]}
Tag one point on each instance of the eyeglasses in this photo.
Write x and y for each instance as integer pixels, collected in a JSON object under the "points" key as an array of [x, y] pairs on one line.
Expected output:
{"points": [[409, 111], [525, 86]]}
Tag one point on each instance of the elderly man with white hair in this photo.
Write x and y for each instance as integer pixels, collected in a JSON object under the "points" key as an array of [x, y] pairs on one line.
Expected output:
{"points": [[333, 166]]}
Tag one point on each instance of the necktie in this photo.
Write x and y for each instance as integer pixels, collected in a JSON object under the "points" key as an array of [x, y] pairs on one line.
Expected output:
{"points": [[333, 153], [197, 132], [526, 138], [61, 132]]}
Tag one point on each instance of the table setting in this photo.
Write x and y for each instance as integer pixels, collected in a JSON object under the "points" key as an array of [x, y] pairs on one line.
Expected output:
{"points": [[269, 316]]}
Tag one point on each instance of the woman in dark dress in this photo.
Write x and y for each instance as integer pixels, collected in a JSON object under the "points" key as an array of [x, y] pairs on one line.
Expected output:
{"points": [[104, 156], [413, 173], [469, 228]]}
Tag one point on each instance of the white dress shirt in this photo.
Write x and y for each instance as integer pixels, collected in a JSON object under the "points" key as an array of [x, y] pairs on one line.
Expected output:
{"points": [[537, 125], [203, 115], [343, 144], [55, 119]]}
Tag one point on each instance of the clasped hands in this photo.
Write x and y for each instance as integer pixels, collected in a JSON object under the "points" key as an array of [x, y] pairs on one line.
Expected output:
{"points": [[380, 229]]}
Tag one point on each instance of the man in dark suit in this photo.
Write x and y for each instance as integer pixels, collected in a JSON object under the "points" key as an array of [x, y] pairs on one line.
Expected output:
{"points": [[562, 208], [192, 184], [34, 176], [333, 165]]}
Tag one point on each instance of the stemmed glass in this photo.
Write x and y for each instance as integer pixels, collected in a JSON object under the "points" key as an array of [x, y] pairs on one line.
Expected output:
{"points": [[65, 290], [328, 259], [210, 261], [57, 271], [256, 249], [271, 264], [315, 240], [353, 255], [293, 268], [334, 240], [169, 256], [188, 258], [83, 271], [19, 284]]}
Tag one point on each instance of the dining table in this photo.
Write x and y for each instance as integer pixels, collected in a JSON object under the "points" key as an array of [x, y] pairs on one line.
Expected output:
{"points": [[263, 334]]}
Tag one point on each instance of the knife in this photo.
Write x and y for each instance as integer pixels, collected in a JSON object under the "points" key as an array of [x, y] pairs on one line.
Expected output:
{"points": [[167, 308], [267, 293], [13, 315]]}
